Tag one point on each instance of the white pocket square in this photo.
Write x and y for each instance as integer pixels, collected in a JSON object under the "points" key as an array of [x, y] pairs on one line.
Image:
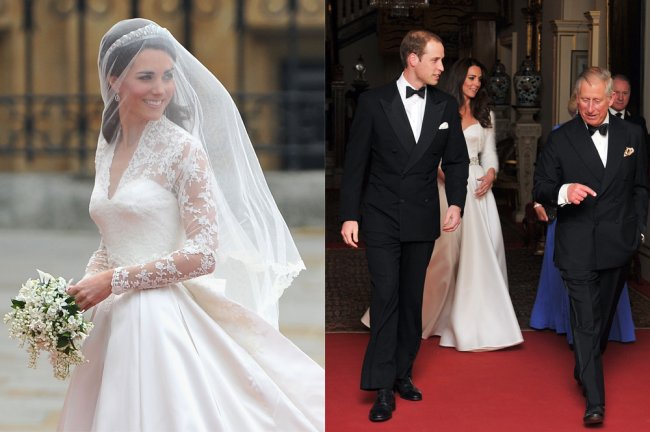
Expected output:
{"points": [[444, 125]]}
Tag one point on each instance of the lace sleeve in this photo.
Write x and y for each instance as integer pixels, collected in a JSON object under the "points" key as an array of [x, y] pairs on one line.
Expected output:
{"points": [[197, 257], [98, 261]]}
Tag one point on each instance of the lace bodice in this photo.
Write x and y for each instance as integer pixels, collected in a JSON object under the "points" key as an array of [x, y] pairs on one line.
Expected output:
{"points": [[481, 145], [160, 226]]}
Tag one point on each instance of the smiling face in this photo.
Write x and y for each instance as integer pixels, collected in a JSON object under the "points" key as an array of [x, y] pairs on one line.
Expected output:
{"points": [[428, 67], [147, 87], [593, 101], [472, 83]]}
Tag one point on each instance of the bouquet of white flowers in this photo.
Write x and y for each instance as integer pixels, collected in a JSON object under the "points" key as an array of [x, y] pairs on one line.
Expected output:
{"points": [[44, 317]]}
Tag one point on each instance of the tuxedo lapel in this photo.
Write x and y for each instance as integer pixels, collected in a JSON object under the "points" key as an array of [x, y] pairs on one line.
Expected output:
{"points": [[430, 123], [396, 113], [586, 149]]}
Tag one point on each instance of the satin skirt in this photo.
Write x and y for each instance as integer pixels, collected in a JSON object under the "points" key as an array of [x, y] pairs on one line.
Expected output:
{"points": [[171, 359], [470, 307]]}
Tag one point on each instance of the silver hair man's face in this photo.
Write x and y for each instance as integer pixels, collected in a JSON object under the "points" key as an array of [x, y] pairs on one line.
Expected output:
{"points": [[593, 101]]}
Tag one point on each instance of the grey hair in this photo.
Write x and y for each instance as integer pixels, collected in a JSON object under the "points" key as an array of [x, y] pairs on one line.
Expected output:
{"points": [[596, 73]]}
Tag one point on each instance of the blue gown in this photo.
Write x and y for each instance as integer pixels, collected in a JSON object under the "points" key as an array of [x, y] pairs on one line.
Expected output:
{"points": [[551, 308]]}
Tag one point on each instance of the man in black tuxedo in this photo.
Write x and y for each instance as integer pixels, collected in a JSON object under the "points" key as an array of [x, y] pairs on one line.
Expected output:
{"points": [[399, 134], [593, 168], [621, 98]]}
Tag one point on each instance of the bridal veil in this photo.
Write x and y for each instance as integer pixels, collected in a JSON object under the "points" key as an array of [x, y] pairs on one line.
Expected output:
{"points": [[256, 255]]}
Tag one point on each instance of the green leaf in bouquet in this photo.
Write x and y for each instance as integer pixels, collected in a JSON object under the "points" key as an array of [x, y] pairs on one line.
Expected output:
{"points": [[72, 308], [63, 340], [18, 304]]}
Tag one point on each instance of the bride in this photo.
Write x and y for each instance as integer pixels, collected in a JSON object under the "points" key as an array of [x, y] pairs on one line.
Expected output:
{"points": [[466, 300], [193, 258]]}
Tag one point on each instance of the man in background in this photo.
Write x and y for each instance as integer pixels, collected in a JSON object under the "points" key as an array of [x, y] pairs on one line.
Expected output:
{"points": [[621, 98]]}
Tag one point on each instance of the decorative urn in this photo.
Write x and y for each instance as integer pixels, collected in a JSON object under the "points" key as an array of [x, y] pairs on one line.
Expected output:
{"points": [[499, 84], [527, 82]]}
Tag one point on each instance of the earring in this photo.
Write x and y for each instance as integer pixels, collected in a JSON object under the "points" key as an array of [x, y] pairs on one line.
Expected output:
{"points": [[117, 97]]}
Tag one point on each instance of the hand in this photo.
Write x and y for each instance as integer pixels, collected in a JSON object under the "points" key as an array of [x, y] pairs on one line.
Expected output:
{"points": [[350, 233], [92, 289], [485, 183], [576, 193], [452, 219], [540, 211]]}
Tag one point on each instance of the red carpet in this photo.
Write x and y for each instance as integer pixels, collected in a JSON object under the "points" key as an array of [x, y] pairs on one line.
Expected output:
{"points": [[527, 388]]}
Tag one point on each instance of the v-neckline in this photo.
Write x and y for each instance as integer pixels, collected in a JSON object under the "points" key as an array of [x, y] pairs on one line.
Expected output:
{"points": [[473, 124], [110, 196]]}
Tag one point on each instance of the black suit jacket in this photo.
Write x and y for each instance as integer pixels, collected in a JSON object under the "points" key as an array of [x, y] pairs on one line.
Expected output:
{"points": [[401, 194], [604, 231], [637, 120]]}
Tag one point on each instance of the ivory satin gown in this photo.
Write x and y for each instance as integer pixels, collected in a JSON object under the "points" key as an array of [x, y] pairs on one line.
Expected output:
{"points": [[178, 356], [466, 300]]}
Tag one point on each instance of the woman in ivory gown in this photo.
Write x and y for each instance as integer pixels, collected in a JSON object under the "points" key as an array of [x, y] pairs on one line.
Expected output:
{"points": [[466, 300], [193, 258]]}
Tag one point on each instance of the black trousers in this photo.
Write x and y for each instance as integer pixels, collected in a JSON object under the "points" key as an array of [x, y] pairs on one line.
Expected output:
{"points": [[593, 296], [397, 272]]}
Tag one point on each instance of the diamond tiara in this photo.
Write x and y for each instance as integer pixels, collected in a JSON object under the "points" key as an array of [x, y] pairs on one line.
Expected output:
{"points": [[146, 32]]}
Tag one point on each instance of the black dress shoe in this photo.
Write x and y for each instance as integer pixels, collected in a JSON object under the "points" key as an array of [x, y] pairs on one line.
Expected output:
{"points": [[383, 407], [594, 416], [407, 390]]}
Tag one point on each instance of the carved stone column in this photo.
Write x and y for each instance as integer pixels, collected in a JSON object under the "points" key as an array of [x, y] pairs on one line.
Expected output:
{"points": [[570, 38], [595, 58], [502, 123], [527, 133]]}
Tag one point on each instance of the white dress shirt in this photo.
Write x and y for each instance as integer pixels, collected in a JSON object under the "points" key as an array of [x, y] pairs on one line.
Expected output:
{"points": [[414, 106], [600, 142]]}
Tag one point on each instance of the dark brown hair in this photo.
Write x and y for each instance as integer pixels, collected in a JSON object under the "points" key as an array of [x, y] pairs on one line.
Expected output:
{"points": [[119, 59], [481, 103]]}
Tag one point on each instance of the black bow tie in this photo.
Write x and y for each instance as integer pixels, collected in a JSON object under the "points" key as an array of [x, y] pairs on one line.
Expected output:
{"points": [[602, 129], [619, 114], [410, 91]]}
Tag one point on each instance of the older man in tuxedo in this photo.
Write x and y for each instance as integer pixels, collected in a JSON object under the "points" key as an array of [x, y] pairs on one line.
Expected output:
{"points": [[620, 100], [594, 169], [399, 135]]}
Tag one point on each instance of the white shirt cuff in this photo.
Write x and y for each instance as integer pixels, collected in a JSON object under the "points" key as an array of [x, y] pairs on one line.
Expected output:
{"points": [[562, 199]]}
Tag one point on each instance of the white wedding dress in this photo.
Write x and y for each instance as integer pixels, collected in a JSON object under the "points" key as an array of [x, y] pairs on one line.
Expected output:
{"points": [[471, 311], [171, 352]]}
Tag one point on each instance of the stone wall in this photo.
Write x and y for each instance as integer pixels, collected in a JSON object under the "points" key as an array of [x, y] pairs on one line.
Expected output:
{"points": [[60, 201]]}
